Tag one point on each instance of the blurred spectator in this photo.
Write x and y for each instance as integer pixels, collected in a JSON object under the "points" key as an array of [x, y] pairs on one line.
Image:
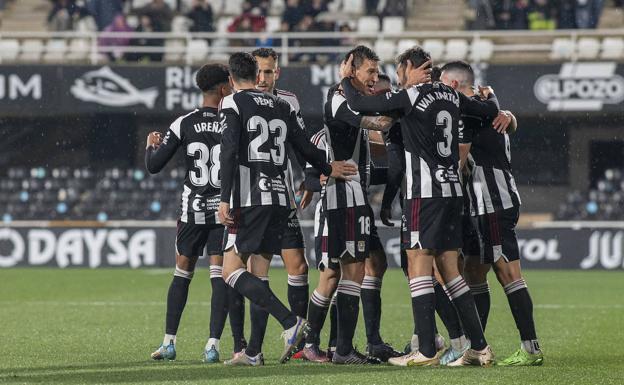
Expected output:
{"points": [[119, 24], [248, 22], [511, 14], [104, 11], [202, 17], [481, 15], [146, 25], [314, 7], [393, 8], [293, 14], [541, 15], [566, 14], [261, 5], [588, 13], [61, 17], [160, 13]]}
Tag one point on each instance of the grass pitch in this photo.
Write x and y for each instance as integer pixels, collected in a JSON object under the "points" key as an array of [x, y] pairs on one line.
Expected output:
{"points": [[99, 326]]}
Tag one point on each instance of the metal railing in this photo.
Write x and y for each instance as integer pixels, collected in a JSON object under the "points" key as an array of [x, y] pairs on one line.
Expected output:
{"points": [[291, 44]]}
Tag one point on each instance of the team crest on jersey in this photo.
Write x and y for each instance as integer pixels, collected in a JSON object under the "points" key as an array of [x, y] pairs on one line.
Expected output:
{"points": [[361, 246]]}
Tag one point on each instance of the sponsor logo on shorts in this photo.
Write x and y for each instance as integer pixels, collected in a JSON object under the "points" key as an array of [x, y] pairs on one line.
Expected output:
{"points": [[361, 246]]}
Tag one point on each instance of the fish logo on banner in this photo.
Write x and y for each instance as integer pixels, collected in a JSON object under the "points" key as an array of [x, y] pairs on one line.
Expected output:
{"points": [[580, 87], [107, 88]]}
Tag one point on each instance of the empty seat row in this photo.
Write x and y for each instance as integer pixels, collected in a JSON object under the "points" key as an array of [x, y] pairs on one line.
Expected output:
{"points": [[52, 50], [587, 48], [452, 49]]}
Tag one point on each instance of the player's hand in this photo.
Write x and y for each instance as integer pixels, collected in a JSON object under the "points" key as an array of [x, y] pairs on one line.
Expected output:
{"points": [[306, 199], [418, 75], [323, 180], [502, 122], [342, 169], [224, 214], [386, 217], [346, 68], [154, 138], [485, 91]]}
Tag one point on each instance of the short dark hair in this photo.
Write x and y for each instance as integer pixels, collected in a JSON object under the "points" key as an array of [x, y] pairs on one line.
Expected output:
{"points": [[460, 66], [210, 76], [417, 55], [360, 54], [436, 72], [384, 77], [265, 53], [243, 66]]}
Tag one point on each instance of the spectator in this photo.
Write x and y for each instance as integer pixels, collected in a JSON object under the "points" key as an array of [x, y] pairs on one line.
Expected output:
{"points": [[371, 7], [566, 14], [61, 17], [248, 22], [104, 11], [293, 14], [541, 15], [119, 24], [314, 7], [481, 15], [202, 17], [146, 25], [588, 13], [394, 8], [262, 6], [160, 13]]}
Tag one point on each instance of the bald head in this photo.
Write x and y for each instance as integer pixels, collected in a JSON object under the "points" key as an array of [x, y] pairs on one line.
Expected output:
{"points": [[459, 75]]}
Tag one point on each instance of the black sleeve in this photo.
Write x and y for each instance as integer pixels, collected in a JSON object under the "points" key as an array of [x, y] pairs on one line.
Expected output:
{"points": [[297, 137], [230, 139], [482, 108], [312, 180], [396, 170], [157, 158], [397, 101], [379, 175]]}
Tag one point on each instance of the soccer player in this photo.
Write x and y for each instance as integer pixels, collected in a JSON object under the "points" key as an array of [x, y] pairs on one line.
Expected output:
{"points": [[293, 247], [255, 206], [432, 211], [198, 134], [495, 202]]}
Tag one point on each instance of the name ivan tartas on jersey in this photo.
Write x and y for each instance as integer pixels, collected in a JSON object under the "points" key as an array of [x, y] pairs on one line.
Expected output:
{"points": [[437, 95]]}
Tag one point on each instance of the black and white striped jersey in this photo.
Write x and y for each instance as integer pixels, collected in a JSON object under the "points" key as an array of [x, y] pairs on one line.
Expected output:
{"points": [[345, 140], [290, 170], [257, 128], [198, 134], [430, 115], [491, 186]]}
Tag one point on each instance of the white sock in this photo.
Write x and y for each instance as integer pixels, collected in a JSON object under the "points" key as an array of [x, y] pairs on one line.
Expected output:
{"points": [[531, 346], [168, 338], [459, 343], [414, 342], [212, 342]]}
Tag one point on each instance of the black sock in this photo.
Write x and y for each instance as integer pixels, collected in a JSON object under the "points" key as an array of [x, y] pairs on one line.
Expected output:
{"points": [[259, 319], [317, 313], [460, 294], [176, 299], [298, 296], [481, 295], [257, 292], [521, 307], [445, 309], [236, 312], [371, 308], [218, 302], [348, 305], [423, 311], [333, 322]]}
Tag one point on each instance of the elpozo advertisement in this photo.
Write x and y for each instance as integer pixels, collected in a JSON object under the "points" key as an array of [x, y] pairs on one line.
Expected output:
{"points": [[134, 247]]}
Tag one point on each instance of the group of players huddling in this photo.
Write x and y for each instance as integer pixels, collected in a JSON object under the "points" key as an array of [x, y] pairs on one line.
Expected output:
{"points": [[448, 153]]}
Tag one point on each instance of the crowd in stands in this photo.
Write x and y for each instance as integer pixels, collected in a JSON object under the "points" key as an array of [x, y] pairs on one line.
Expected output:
{"points": [[535, 14], [604, 202]]}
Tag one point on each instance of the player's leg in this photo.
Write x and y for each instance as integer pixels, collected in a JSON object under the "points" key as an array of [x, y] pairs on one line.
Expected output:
{"points": [[258, 317], [293, 255], [475, 274]]}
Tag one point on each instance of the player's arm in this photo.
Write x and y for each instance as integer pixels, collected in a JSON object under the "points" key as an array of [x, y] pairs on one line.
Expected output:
{"points": [[396, 170], [487, 109], [159, 151], [505, 122], [399, 101], [230, 141], [376, 123]]}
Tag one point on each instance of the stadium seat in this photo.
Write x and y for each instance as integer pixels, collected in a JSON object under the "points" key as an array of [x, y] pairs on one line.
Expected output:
{"points": [[174, 49], [78, 49], [481, 50], [612, 48], [588, 48], [180, 24], [368, 24], [393, 24], [197, 50], [233, 7], [31, 50], [353, 7], [132, 20], [562, 48], [273, 23], [435, 47], [456, 49], [223, 23], [55, 50], [87, 24], [385, 49], [405, 44], [9, 49], [276, 8]]}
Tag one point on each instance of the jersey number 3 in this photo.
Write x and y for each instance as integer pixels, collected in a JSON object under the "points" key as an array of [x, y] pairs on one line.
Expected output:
{"points": [[202, 175], [277, 153], [444, 120]]}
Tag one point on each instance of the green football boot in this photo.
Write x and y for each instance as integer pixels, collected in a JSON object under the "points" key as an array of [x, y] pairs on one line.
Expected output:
{"points": [[523, 358]]}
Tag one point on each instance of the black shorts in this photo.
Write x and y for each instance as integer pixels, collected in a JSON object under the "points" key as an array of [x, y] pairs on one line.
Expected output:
{"points": [[293, 236], [196, 240], [432, 223], [341, 233], [257, 230], [471, 243], [498, 236]]}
